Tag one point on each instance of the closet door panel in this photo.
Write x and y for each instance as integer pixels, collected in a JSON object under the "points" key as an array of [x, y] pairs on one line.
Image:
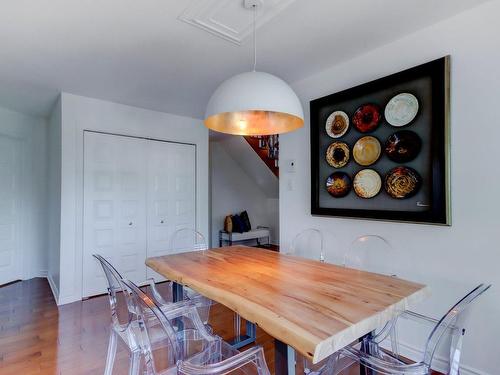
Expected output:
{"points": [[171, 194], [114, 208], [183, 186]]}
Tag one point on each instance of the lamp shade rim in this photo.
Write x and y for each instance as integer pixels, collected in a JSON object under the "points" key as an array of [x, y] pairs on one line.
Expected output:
{"points": [[253, 122], [254, 91]]}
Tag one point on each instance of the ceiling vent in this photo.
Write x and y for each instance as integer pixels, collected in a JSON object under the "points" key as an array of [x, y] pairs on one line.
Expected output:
{"points": [[228, 19]]}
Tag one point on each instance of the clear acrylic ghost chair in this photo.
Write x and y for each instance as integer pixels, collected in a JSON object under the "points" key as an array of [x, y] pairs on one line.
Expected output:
{"points": [[185, 240], [308, 244], [165, 336], [446, 335], [374, 253], [123, 321], [188, 349], [371, 253]]}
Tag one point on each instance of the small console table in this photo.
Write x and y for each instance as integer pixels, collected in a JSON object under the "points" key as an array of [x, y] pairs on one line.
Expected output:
{"points": [[255, 234]]}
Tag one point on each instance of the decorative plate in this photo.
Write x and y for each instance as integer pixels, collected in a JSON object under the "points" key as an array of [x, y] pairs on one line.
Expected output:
{"points": [[337, 124], [367, 118], [338, 154], [402, 182], [367, 183], [338, 184], [403, 146], [401, 109], [366, 150]]}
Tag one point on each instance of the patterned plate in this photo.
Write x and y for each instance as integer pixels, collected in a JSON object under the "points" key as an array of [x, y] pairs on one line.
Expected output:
{"points": [[366, 150], [403, 146], [401, 109], [337, 124], [367, 118], [402, 182], [367, 183], [337, 154], [338, 184]]}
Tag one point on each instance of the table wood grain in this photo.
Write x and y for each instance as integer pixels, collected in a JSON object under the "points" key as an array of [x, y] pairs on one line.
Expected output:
{"points": [[317, 308]]}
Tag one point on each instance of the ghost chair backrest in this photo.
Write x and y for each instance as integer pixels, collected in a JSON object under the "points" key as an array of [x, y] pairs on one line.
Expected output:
{"points": [[308, 244], [373, 253]]}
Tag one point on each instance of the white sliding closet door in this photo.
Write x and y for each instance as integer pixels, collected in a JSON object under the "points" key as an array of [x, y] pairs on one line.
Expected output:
{"points": [[171, 194], [115, 190]]}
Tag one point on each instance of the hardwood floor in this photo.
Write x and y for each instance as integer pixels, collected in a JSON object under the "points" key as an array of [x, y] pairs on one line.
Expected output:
{"points": [[37, 337]]}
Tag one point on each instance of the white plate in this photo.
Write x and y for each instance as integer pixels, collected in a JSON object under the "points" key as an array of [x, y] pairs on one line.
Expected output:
{"points": [[340, 130], [401, 109], [367, 183]]}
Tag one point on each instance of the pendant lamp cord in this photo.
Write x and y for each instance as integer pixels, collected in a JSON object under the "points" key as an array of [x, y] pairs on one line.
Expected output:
{"points": [[254, 38]]}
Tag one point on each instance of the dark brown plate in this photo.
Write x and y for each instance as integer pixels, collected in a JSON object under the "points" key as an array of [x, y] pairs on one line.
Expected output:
{"points": [[338, 184], [338, 154], [402, 182], [403, 146], [367, 118]]}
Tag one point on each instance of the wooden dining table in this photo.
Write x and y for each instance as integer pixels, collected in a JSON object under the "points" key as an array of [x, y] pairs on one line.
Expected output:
{"points": [[313, 307]]}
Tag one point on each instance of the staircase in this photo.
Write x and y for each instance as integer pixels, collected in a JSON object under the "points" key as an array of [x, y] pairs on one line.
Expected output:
{"points": [[267, 147]]}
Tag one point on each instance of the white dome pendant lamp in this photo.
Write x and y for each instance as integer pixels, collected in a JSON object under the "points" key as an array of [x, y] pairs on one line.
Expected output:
{"points": [[254, 103]]}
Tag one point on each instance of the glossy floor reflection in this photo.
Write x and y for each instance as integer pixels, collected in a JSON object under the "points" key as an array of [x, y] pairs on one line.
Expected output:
{"points": [[37, 337]]}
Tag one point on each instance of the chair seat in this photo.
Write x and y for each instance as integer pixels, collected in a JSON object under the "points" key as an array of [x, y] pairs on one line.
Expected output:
{"points": [[216, 353]]}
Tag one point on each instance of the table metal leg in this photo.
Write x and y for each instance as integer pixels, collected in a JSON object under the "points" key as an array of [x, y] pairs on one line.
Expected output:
{"points": [[242, 340], [365, 347], [177, 292], [177, 295], [280, 357], [291, 360], [284, 358]]}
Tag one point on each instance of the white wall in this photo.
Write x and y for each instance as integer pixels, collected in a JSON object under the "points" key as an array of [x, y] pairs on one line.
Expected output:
{"points": [[31, 132], [449, 259], [81, 113], [251, 164], [234, 191], [54, 197]]}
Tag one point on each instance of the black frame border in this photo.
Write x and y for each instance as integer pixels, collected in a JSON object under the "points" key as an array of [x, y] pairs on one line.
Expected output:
{"points": [[440, 212]]}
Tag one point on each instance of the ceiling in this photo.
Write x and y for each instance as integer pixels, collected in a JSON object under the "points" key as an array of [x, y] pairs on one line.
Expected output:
{"points": [[140, 53]]}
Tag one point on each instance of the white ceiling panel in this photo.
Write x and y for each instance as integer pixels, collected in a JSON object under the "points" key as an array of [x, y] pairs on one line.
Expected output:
{"points": [[139, 53], [228, 19]]}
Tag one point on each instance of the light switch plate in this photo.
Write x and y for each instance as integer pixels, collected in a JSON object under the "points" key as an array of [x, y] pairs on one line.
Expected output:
{"points": [[290, 166]]}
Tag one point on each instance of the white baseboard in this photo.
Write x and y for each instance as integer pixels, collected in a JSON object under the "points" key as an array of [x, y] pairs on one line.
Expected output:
{"points": [[64, 300], [43, 273], [53, 287], [439, 364]]}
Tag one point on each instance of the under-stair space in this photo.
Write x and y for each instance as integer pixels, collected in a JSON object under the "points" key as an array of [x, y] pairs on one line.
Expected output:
{"points": [[244, 177], [267, 147]]}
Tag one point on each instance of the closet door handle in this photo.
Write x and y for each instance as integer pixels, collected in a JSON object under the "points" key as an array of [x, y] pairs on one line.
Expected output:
{"points": [[130, 223], [162, 221]]}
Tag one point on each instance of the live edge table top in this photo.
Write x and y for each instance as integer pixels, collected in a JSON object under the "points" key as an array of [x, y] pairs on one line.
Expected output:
{"points": [[317, 308]]}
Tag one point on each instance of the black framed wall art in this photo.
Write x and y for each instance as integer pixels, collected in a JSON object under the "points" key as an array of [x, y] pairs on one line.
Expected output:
{"points": [[381, 150]]}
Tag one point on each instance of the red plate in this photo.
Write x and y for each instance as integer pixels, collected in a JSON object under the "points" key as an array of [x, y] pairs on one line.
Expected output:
{"points": [[367, 118]]}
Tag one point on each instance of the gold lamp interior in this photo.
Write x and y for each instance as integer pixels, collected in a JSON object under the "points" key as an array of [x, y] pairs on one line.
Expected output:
{"points": [[253, 122]]}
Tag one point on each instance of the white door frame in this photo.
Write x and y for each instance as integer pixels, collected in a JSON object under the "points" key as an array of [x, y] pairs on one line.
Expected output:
{"points": [[22, 265]]}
